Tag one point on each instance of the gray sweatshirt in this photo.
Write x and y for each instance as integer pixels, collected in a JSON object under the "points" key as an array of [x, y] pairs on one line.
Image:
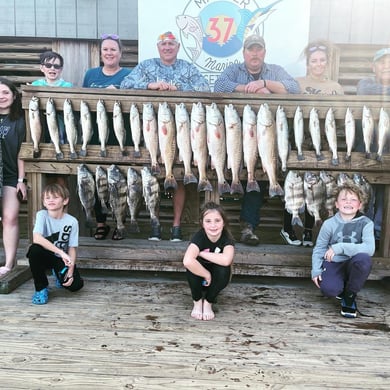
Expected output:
{"points": [[347, 238]]}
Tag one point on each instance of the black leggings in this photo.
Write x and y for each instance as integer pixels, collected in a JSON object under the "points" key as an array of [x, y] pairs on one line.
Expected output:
{"points": [[40, 260], [220, 278]]}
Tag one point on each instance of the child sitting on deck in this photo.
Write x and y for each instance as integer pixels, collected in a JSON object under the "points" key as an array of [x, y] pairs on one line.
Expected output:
{"points": [[55, 239], [341, 260], [208, 260]]}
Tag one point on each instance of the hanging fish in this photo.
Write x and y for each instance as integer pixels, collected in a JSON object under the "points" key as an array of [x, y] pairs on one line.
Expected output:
{"points": [[102, 187], [70, 127], [234, 147], [330, 192], [299, 133], [150, 133], [199, 145], [314, 190], [367, 129], [167, 143], [86, 127], [35, 125], [86, 192], [282, 137], [52, 125], [250, 152], [315, 132], [151, 194], [349, 133], [183, 138], [117, 189], [266, 143], [331, 135], [119, 127], [294, 196], [102, 124], [216, 143], [134, 197], [383, 132], [135, 125]]}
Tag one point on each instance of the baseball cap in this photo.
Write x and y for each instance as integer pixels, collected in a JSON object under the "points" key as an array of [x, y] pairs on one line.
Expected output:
{"points": [[167, 36], [254, 40], [381, 53]]}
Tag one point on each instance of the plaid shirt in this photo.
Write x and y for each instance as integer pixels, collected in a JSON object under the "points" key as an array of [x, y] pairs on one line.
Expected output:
{"points": [[237, 74]]}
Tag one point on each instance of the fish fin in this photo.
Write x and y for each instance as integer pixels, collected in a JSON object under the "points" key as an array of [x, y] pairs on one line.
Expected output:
{"points": [[205, 185], [236, 188], [296, 221], [252, 186], [275, 190], [223, 188], [189, 178]]}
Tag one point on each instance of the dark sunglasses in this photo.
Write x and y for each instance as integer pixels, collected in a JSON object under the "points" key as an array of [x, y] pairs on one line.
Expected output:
{"points": [[115, 37], [48, 65], [314, 48]]}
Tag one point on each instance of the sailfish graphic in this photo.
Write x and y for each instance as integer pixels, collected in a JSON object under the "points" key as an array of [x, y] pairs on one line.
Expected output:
{"points": [[253, 22], [191, 26]]}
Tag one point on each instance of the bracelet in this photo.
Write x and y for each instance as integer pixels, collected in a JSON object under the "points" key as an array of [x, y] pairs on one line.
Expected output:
{"points": [[21, 180]]}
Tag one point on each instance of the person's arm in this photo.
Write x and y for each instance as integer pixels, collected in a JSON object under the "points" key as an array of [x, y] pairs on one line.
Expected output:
{"points": [[196, 81], [277, 80], [224, 258], [192, 264], [226, 82], [139, 78], [21, 186], [322, 244], [368, 86], [45, 243], [366, 246]]}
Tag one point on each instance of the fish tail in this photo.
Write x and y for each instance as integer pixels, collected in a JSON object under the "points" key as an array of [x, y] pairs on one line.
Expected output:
{"points": [[189, 178], [301, 157], [137, 154], [236, 188], [318, 222], [156, 169], [335, 161], [252, 185], [275, 190], [296, 220], [320, 156], [133, 227], [170, 182], [223, 188], [204, 185]]}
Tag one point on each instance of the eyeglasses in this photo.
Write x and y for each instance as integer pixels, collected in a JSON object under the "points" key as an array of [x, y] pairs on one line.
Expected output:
{"points": [[48, 65], [115, 37], [314, 48]]}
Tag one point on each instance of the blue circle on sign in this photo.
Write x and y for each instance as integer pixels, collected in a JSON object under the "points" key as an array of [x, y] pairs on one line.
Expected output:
{"points": [[219, 43]]}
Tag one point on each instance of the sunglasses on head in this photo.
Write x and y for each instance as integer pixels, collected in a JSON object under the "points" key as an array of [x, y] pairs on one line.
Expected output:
{"points": [[314, 48], [48, 65], [115, 37]]}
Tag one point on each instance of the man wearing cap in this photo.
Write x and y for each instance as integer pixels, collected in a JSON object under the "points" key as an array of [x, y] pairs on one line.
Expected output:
{"points": [[254, 76], [379, 84], [167, 73]]}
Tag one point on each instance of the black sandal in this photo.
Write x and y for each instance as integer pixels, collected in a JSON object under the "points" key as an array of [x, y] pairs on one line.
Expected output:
{"points": [[101, 232]]}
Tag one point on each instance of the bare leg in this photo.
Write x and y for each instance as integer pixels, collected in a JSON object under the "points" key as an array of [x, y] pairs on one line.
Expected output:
{"points": [[10, 221], [197, 311], [208, 313], [179, 197]]}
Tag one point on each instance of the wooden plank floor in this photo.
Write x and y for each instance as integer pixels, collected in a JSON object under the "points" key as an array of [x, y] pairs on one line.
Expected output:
{"points": [[133, 331]]}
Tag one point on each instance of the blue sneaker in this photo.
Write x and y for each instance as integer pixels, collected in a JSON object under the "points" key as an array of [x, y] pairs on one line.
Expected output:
{"points": [[40, 297], [58, 281], [348, 307]]}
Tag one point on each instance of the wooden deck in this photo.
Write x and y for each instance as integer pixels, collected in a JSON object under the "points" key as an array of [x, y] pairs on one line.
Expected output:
{"points": [[133, 331]]}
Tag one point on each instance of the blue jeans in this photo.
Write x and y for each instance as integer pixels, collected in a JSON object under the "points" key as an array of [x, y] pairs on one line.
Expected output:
{"points": [[251, 204]]}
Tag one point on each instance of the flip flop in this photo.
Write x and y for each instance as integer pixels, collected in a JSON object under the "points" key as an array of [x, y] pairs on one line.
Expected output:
{"points": [[101, 232]]}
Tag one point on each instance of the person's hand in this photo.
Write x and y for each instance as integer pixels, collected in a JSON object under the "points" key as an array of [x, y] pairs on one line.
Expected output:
{"points": [[256, 86], [207, 280], [317, 280], [23, 190], [329, 254], [68, 280], [162, 86], [111, 86]]}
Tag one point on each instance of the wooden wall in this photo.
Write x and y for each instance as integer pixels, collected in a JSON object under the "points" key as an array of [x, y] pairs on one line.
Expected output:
{"points": [[342, 21]]}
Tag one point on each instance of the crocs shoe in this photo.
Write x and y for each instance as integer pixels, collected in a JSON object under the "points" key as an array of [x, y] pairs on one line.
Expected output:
{"points": [[40, 297]]}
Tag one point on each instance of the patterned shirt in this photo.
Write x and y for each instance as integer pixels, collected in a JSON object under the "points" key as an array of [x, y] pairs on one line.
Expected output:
{"points": [[369, 86], [238, 74], [182, 74]]}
